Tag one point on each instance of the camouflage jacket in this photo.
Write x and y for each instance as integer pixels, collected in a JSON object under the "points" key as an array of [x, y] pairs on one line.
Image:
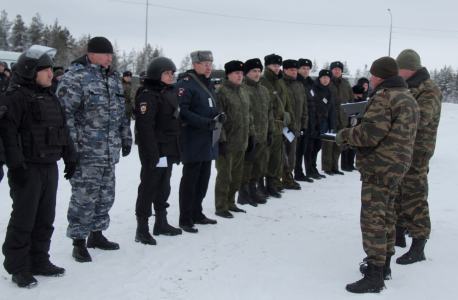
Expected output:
{"points": [[235, 102], [261, 103], [344, 94], [298, 98], [96, 114], [271, 82], [429, 99], [386, 134], [130, 104]]}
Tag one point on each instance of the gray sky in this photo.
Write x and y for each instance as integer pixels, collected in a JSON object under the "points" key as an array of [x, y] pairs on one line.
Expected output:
{"points": [[181, 32]]}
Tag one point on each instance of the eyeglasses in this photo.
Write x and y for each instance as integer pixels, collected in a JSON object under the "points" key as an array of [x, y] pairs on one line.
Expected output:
{"points": [[206, 65]]}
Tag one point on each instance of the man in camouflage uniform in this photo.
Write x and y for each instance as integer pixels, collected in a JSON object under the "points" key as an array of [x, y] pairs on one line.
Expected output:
{"points": [[272, 79], [237, 136], [127, 87], [343, 94], [412, 200], [255, 166], [384, 140], [94, 101], [133, 94], [298, 98]]}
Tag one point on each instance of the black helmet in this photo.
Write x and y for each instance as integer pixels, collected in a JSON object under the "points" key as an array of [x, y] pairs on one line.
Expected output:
{"points": [[34, 57], [159, 65]]}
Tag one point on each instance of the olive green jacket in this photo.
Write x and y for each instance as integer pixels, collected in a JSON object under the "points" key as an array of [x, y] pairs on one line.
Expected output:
{"points": [[261, 104], [343, 94], [130, 105], [298, 98], [271, 82], [235, 102]]}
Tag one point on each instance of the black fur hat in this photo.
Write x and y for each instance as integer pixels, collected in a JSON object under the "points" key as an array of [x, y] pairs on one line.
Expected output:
{"points": [[305, 62], [234, 65], [358, 89], [127, 73], [337, 64], [325, 73], [253, 64], [290, 63], [273, 59]]}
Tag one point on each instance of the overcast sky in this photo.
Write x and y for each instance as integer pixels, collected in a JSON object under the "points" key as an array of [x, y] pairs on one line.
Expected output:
{"points": [[180, 32]]}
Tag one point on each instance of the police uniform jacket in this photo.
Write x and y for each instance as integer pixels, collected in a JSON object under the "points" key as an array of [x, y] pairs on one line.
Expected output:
{"points": [[325, 107]]}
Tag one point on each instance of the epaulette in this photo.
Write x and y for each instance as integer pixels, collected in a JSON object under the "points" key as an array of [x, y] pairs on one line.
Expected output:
{"points": [[187, 78]]}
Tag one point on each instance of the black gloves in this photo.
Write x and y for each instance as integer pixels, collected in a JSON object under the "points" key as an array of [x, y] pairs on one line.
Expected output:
{"points": [[250, 144], [270, 138], [1, 173], [291, 130], [18, 176], [212, 124], [222, 118], [222, 149], [126, 150], [330, 130], [153, 163], [69, 170]]}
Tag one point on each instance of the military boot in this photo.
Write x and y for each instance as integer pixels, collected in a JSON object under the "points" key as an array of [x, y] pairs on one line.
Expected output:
{"points": [[80, 252], [24, 279], [244, 197], [162, 227], [271, 188], [386, 268], [253, 192], [400, 237], [47, 269], [371, 283], [142, 235], [97, 240], [415, 254], [262, 188]]}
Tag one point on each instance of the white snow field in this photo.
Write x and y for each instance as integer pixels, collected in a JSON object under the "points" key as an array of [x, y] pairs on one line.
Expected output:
{"points": [[306, 245]]}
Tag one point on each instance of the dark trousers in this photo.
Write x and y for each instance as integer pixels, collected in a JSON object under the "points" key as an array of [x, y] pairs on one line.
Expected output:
{"points": [[311, 153], [28, 236], [347, 158], [154, 188], [300, 153], [193, 189]]}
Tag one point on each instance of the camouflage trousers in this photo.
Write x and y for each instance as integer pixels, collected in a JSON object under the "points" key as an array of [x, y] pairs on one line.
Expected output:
{"points": [[228, 179], [411, 203], [93, 194], [274, 156], [252, 171], [377, 221], [284, 175], [330, 153]]}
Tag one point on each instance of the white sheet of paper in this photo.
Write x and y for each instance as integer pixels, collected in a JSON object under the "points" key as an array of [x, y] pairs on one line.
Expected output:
{"points": [[289, 135], [311, 92], [210, 102], [331, 134], [325, 100], [162, 162]]}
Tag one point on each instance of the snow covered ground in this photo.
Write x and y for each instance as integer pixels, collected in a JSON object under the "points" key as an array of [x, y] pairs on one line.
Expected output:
{"points": [[306, 245]]}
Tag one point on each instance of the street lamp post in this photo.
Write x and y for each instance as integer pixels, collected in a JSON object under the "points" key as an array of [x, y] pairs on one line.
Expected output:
{"points": [[146, 35], [391, 27]]}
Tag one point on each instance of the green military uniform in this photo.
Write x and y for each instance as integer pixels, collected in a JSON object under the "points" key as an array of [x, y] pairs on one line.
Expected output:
{"points": [[275, 83], [298, 98], [235, 102], [133, 94], [263, 121], [330, 151], [384, 140], [412, 201], [130, 105]]}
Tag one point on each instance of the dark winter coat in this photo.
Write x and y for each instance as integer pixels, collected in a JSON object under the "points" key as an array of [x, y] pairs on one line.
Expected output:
{"points": [[158, 123], [4, 82], [325, 107], [313, 119], [197, 109]]}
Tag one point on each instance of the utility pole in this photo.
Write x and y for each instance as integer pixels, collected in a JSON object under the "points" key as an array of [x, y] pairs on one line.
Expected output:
{"points": [[391, 28], [146, 35]]}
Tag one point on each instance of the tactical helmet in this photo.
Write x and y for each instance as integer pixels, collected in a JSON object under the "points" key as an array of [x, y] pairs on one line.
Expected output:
{"points": [[159, 65], [34, 57]]}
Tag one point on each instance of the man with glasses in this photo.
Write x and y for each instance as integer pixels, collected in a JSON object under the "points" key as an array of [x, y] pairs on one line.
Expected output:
{"points": [[198, 111]]}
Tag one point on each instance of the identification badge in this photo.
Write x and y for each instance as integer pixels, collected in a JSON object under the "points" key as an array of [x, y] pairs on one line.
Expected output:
{"points": [[311, 92], [210, 103], [325, 100], [143, 108]]}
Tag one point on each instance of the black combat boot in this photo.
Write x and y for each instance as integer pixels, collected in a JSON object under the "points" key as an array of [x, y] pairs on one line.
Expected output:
{"points": [[302, 177], [253, 192], [337, 172], [97, 240], [386, 268], [47, 269], [80, 252], [24, 279], [371, 283], [162, 227], [400, 237], [415, 254], [262, 189], [329, 172], [244, 197], [142, 235], [316, 176], [271, 188]]}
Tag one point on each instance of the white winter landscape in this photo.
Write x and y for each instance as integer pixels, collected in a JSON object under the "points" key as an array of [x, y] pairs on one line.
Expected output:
{"points": [[306, 245]]}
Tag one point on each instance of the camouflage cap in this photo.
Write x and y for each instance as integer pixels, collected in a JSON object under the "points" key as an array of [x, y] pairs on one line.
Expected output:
{"points": [[384, 67], [201, 55], [408, 59]]}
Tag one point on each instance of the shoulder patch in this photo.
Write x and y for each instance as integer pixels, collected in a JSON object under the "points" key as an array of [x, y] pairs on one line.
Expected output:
{"points": [[143, 107], [62, 92], [187, 78], [181, 92]]}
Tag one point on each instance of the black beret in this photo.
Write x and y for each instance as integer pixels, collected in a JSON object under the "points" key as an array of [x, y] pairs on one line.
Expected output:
{"points": [[254, 63], [233, 66], [99, 44], [273, 59], [290, 63], [325, 73], [337, 64], [305, 62], [358, 89]]}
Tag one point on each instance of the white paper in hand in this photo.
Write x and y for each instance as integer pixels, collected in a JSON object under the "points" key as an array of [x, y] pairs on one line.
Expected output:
{"points": [[289, 135], [162, 162]]}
